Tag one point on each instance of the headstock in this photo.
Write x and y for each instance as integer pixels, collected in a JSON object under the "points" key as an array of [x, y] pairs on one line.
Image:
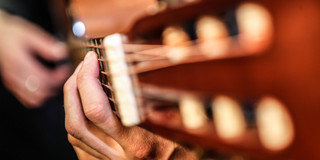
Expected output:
{"points": [[267, 73], [254, 94]]}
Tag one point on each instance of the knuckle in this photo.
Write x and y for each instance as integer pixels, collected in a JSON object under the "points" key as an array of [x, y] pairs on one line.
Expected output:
{"points": [[73, 141], [74, 129], [143, 151], [147, 148], [95, 113], [74, 126], [67, 86]]}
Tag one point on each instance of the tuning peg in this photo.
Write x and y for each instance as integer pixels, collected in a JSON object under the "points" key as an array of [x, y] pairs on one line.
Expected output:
{"points": [[255, 27], [275, 127], [228, 118], [192, 112], [212, 36], [176, 39]]}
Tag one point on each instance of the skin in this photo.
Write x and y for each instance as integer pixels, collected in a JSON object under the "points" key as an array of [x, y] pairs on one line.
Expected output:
{"points": [[94, 129], [20, 43]]}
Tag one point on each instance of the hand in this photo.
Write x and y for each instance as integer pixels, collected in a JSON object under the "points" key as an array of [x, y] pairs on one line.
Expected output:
{"points": [[22, 73], [95, 129]]}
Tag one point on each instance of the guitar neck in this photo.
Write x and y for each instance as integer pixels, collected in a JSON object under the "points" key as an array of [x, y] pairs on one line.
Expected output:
{"points": [[218, 88]]}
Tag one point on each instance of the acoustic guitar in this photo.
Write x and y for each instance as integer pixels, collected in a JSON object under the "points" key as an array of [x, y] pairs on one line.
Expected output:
{"points": [[237, 78]]}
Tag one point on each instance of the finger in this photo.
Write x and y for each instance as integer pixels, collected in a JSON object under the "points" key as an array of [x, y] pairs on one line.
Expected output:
{"points": [[75, 121], [18, 87], [42, 79], [101, 135], [44, 44], [83, 155], [50, 79], [82, 149], [137, 142], [95, 103], [29, 88], [60, 75]]}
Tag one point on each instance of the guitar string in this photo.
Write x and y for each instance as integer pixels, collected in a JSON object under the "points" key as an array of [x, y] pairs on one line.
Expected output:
{"points": [[142, 64], [151, 52], [147, 57]]}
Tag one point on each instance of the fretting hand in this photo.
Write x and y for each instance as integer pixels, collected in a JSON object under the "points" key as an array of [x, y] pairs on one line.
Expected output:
{"points": [[95, 130]]}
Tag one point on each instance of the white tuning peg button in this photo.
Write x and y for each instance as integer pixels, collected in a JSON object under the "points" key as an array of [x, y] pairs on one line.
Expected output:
{"points": [[176, 41], [228, 118], [255, 27], [192, 112], [275, 127], [212, 36]]}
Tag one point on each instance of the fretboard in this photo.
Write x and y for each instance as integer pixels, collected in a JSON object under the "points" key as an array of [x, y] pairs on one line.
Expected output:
{"points": [[96, 46]]}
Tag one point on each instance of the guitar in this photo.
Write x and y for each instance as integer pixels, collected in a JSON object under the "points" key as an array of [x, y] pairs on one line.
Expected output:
{"points": [[249, 87]]}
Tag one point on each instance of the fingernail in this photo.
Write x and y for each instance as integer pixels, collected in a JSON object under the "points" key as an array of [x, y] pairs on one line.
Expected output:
{"points": [[87, 58]]}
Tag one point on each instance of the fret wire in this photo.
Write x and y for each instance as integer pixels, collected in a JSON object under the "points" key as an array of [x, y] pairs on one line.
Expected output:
{"points": [[97, 49], [105, 73], [107, 86], [91, 42], [112, 100]]}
